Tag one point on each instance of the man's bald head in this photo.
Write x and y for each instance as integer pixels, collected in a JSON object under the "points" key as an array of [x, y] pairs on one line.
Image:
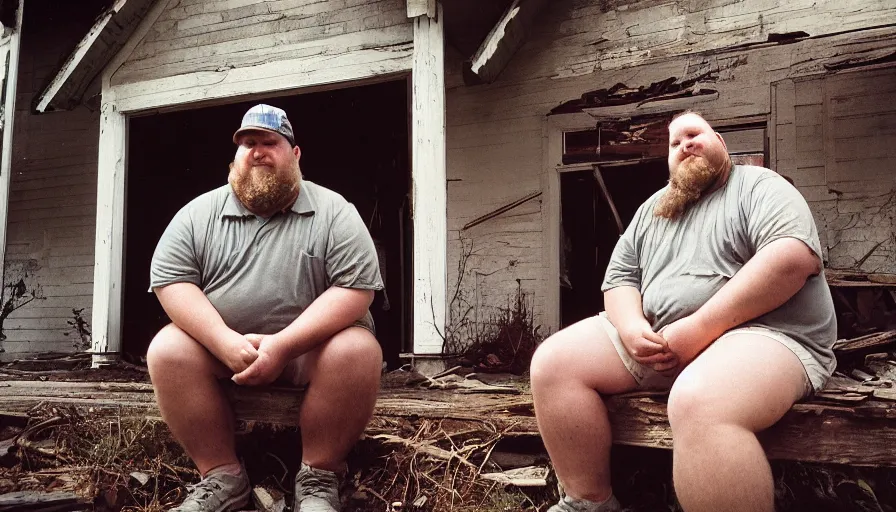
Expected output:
{"points": [[698, 160]]}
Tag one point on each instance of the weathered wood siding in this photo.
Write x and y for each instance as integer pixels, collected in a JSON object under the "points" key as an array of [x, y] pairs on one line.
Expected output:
{"points": [[837, 140], [497, 132], [52, 201], [199, 49]]}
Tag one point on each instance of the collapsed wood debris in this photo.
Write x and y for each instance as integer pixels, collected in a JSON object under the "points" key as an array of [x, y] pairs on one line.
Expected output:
{"points": [[78, 439]]}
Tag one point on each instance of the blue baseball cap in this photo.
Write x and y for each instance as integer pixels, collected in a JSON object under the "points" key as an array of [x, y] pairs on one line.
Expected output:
{"points": [[267, 118]]}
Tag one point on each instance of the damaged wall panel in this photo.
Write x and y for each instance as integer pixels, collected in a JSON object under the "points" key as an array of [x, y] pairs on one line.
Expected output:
{"points": [[497, 143], [52, 207], [837, 140], [206, 49], [602, 35]]}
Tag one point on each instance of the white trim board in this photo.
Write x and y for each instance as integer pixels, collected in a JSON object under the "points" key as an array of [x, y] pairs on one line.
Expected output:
{"points": [[552, 149], [10, 59], [74, 61], [429, 184]]}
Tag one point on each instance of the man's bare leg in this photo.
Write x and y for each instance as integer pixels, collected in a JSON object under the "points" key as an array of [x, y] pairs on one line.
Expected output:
{"points": [[570, 371], [344, 378], [185, 376], [740, 385]]}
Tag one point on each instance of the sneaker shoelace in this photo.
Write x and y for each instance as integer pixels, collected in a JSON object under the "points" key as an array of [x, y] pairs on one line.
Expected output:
{"points": [[320, 486], [202, 490]]}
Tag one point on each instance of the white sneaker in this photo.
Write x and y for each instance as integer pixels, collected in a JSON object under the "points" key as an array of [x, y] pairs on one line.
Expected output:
{"points": [[317, 490]]}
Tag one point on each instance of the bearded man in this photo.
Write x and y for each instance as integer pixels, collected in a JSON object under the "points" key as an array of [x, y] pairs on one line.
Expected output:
{"points": [[715, 292], [267, 278]]}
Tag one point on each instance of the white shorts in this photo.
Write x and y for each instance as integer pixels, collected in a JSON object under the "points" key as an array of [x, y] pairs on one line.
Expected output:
{"points": [[648, 378]]}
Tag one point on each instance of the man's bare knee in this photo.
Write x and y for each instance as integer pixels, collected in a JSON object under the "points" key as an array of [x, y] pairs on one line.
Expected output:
{"points": [[174, 349], [352, 349], [548, 361], [688, 404]]}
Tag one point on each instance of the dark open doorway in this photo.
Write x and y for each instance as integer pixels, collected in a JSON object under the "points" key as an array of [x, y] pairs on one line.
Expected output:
{"points": [[353, 140], [590, 231]]}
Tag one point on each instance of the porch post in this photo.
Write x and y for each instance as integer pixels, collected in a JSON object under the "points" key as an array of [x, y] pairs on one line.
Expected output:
{"points": [[9, 76], [107, 275], [429, 185]]}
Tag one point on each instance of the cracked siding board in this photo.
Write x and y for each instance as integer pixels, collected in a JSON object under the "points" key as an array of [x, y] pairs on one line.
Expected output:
{"points": [[187, 55], [635, 33]]}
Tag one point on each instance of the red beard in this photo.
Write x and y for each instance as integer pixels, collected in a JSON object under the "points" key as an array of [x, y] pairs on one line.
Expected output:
{"points": [[263, 190], [687, 183]]}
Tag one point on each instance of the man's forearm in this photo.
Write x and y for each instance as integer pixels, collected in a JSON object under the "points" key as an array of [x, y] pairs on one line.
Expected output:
{"points": [[624, 308], [774, 275], [334, 310], [189, 308]]}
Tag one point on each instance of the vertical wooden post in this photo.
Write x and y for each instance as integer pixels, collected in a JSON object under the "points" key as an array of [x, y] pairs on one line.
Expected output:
{"points": [[429, 184], [107, 275], [9, 66]]}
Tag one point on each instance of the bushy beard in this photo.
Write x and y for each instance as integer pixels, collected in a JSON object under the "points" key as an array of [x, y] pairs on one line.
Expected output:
{"points": [[687, 183], [263, 190]]}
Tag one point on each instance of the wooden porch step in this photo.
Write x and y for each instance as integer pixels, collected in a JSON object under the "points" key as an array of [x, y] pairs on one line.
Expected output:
{"points": [[861, 433]]}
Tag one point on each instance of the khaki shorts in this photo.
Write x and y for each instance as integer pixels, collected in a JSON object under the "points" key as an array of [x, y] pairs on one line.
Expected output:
{"points": [[649, 379], [294, 373]]}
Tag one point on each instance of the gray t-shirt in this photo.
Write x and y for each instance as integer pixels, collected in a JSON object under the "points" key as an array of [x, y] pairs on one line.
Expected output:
{"points": [[678, 265], [261, 274]]}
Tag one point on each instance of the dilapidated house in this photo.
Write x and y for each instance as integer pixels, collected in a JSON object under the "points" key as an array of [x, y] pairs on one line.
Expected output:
{"points": [[496, 147]]}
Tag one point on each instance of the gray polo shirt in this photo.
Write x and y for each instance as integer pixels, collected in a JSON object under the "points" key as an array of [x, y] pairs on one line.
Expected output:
{"points": [[261, 274], [678, 265]]}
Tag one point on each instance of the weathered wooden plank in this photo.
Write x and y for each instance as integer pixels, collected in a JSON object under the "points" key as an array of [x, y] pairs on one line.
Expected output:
{"points": [[205, 59], [275, 405], [265, 78], [33, 182], [809, 432], [428, 184], [745, 141], [812, 432], [634, 34], [258, 36], [505, 38], [107, 289], [273, 36], [38, 313], [38, 501], [869, 170], [417, 8], [882, 147], [10, 46], [92, 53]]}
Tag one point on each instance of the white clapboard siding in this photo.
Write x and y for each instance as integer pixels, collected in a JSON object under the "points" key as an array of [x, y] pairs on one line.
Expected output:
{"points": [[497, 133], [230, 49], [52, 211]]}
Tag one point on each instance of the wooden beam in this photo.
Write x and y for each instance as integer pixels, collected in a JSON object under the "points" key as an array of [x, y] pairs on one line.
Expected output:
{"points": [[429, 184], [137, 399], [109, 253], [505, 38], [418, 8], [9, 77], [861, 435], [104, 39]]}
